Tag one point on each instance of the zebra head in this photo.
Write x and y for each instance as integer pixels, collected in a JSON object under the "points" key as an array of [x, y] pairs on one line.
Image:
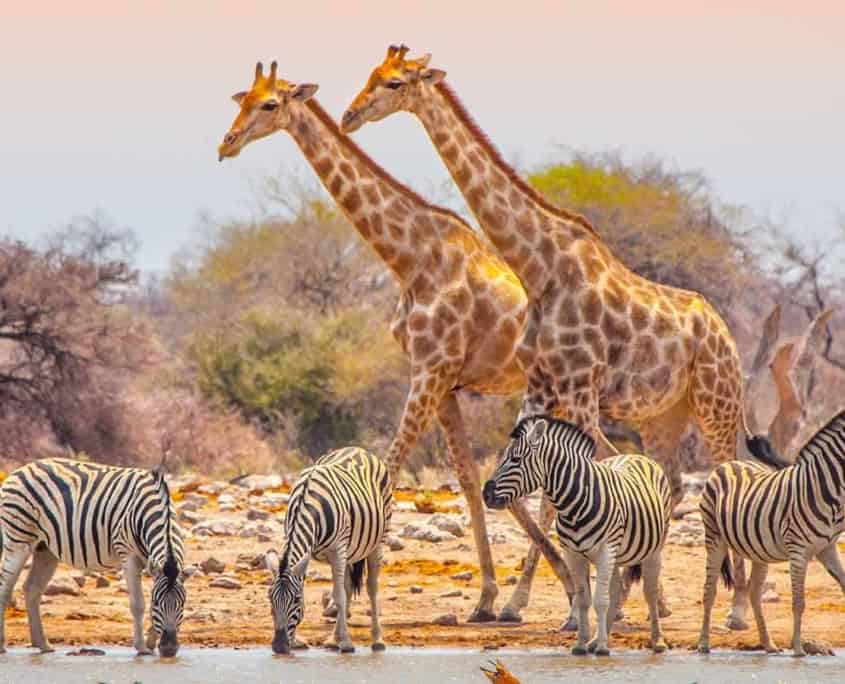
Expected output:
{"points": [[167, 603], [521, 469], [287, 601]]}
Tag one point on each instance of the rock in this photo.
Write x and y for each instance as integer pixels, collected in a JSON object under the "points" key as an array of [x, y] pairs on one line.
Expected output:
{"points": [[326, 598], [249, 530], [817, 648], [189, 517], [770, 596], [447, 524], [193, 499], [394, 543], [188, 506], [264, 538], [225, 582], [212, 566], [86, 652], [102, 582], [62, 586], [511, 579], [425, 533], [462, 576], [190, 570], [415, 589], [463, 547], [404, 507], [79, 579], [683, 509], [257, 514], [498, 538], [424, 504], [122, 588], [447, 620], [216, 528], [455, 593], [252, 560], [316, 575], [256, 483], [272, 500], [212, 488]]}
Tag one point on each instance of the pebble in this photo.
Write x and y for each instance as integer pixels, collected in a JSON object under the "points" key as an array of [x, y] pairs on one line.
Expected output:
{"points": [[79, 579], [62, 586], [102, 582], [447, 524], [394, 543], [212, 488], [447, 620], [264, 538], [225, 582], [415, 589], [425, 533], [463, 575], [212, 566], [256, 483], [257, 514], [455, 593]]}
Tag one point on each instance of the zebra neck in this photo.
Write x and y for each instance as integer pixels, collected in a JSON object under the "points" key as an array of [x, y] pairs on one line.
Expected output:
{"points": [[570, 484], [825, 473]]}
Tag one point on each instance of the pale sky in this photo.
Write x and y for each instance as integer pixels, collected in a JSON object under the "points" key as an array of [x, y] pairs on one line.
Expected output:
{"points": [[121, 109]]}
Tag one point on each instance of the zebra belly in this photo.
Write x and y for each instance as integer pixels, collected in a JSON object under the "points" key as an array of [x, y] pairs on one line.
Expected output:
{"points": [[84, 561]]}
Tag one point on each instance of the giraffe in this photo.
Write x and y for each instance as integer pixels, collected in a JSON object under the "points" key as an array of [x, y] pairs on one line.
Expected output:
{"points": [[460, 312], [599, 339]]}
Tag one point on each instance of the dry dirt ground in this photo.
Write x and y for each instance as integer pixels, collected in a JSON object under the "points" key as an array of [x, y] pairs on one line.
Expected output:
{"points": [[241, 616]]}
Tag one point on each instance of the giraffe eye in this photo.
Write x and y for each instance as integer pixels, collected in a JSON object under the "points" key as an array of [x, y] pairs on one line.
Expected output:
{"points": [[394, 84], [269, 106]]}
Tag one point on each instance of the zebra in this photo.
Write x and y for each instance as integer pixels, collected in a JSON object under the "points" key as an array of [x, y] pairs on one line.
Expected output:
{"points": [[93, 517], [339, 511], [788, 515], [613, 513]]}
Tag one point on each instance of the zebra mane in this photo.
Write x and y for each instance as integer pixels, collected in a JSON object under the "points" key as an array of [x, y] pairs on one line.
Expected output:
{"points": [[284, 561], [170, 567], [584, 440], [831, 435]]}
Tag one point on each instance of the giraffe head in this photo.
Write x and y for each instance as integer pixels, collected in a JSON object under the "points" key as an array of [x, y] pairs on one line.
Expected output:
{"points": [[392, 87], [265, 108]]}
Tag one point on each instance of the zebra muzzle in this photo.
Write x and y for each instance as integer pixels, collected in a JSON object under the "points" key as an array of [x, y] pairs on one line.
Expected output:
{"points": [[281, 642], [168, 646], [490, 498]]}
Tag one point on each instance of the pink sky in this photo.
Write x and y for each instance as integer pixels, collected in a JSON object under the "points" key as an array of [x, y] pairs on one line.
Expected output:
{"points": [[121, 109]]}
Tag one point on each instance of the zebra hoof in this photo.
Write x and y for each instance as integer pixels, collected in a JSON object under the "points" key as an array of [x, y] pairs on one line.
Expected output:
{"points": [[481, 615], [579, 650], [704, 650], [737, 624], [347, 648], [659, 647], [508, 614], [571, 625], [378, 647], [604, 651]]}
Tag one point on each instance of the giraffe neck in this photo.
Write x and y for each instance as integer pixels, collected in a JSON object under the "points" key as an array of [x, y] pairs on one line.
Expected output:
{"points": [[521, 224], [377, 205]]}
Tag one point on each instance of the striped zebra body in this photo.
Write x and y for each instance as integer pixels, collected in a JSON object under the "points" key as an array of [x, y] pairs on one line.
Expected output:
{"points": [[791, 515], [614, 513], [339, 511], [93, 517]]}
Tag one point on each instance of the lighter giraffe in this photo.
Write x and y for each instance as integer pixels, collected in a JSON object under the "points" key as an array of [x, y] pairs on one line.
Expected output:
{"points": [[460, 312], [599, 338]]}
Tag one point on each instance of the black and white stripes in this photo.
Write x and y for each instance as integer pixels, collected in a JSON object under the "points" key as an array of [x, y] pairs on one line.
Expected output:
{"points": [[339, 511], [93, 517], [614, 513], [788, 515]]}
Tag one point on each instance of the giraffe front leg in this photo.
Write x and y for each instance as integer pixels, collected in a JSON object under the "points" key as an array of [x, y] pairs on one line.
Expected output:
{"points": [[132, 573], [340, 640], [11, 564], [43, 566], [451, 420]]}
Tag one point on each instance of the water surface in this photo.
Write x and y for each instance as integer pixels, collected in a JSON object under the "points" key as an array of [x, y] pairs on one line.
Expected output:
{"points": [[407, 665]]}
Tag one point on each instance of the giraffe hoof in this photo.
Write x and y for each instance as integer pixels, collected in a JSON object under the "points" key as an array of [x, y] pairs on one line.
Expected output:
{"points": [[664, 611], [509, 614], [737, 624], [482, 615], [571, 625]]}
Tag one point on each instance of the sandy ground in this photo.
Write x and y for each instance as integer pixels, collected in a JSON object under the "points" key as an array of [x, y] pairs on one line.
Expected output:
{"points": [[241, 616]]}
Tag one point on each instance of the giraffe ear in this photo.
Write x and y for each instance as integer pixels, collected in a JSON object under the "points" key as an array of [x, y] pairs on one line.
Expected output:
{"points": [[304, 91], [432, 76], [237, 97], [538, 431]]}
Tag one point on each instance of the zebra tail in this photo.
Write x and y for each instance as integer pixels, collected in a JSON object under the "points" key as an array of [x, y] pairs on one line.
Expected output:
{"points": [[356, 572], [761, 449], [634, 573], [727, 573]]}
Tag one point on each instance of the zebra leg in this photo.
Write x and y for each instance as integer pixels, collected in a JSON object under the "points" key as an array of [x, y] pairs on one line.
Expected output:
{"points": [[739, 605], [44, 565], [797, 575], [755, 590], [651, 589], [373, 568], [717, 552], [13, 559], [457, 444], [340, 640], [579, 566], [605, 568], [132, 573], [829, 558]]}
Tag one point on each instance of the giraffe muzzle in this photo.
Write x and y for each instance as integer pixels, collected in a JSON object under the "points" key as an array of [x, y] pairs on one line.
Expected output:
{"points": [[351, 121]]}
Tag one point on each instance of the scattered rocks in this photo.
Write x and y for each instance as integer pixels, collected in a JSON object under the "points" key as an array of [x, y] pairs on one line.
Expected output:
{"points": [[447, 524], [216, 528], [253, 561], [212, 566], [189, 517], [225, 582], [193, 499], [264, 538], [62, 586], [447, 620], [462, 576], [257, 514], [259, 483], [415, 589], [394, 543], [425, 533], [454, 593], [212, 488]]}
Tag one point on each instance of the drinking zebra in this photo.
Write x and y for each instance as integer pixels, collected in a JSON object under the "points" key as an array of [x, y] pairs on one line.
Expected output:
{"points": [[93, 517], [339, 511], [788, 515], [613, 513]]}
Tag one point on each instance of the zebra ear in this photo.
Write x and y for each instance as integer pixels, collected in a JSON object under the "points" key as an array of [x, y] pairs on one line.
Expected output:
{"points": [[298, 570], [271, 562], [538, 431]]}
